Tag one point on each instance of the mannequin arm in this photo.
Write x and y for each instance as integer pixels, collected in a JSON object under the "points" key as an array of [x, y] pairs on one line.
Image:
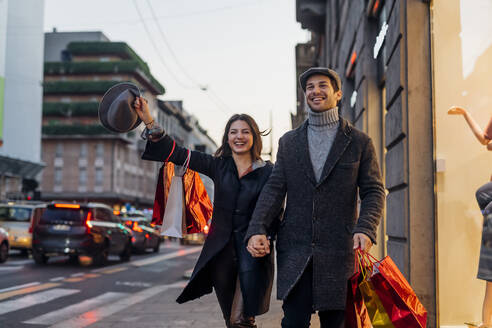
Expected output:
{"points": [[477, 131]]}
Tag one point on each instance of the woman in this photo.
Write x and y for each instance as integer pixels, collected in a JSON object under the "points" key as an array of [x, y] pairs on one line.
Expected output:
{"points": [[242, 283], [484, 199]]}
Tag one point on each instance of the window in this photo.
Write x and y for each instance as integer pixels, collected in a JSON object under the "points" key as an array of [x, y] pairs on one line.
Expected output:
{"points": [[99, 176], [59, 150], [83, 150], [58, 175], [82, 176], [18, 214], [100, 150], [103, 214]]}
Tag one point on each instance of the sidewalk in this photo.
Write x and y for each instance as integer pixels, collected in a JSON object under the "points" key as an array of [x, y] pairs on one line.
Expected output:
{"points": [[162, 311]]}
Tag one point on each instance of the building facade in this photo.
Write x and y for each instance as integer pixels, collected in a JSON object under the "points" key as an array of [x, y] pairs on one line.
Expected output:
{"points": [[84, 160], [403, 63], [21, 76]]}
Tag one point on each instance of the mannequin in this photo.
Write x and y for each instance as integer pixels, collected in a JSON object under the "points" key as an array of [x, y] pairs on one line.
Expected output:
{"points": [[484, 199]]}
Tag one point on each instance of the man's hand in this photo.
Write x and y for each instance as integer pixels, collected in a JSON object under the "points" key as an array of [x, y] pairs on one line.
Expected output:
{"points": [[362, 241], [258, 246]]}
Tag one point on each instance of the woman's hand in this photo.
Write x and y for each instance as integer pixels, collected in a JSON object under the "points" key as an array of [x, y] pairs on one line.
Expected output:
{"points": [[456, 110], [142, 108]]}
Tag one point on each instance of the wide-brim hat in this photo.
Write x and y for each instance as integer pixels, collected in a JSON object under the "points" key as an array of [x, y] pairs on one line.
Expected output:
{"points": [[319, 70], [116, 111]]}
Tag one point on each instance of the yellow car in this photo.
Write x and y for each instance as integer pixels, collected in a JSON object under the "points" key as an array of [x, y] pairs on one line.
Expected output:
{"points": [[18, 219]]}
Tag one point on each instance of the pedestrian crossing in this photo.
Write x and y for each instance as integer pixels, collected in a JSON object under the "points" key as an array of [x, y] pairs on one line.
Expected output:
{"points": [[37, 298], [70, 311], [66, 303], [80, 314]]}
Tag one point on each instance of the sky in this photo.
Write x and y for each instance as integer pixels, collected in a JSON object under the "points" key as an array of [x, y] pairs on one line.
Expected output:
{"points": [[241, 51]]}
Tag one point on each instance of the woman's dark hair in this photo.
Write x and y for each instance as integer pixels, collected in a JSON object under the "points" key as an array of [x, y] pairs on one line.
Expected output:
{"points": [[225, 149]]}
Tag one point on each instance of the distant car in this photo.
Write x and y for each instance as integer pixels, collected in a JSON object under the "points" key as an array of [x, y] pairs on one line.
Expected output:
{"points": [[18, 219], [80, 229], [195, 238], [4, 245], [145, 235]]}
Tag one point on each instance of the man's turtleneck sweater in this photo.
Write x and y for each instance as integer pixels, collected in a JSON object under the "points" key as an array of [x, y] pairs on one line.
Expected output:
{"points": [[322, 129]]}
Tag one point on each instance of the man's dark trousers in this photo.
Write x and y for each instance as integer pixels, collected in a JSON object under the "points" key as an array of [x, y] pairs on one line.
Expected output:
{"points": [[298, 306]]}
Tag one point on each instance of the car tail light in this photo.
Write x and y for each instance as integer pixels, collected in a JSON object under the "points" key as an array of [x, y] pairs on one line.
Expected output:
{"points": [[88, 223], [67, 205], [136, 227], [205, 229], [115, 212]]}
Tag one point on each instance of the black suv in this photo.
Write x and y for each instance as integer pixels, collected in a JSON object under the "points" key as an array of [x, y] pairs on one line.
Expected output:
{"points": [[80, 229]]}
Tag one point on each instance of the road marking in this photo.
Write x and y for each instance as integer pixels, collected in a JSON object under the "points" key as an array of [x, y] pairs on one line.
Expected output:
{"points": [[79, 274], [90, 317], [27, 290], [114, 270], [10, 268], [76, 309], [133, 283], [73, 279], [155, 259], [35, 299], [57, 279], [20, 262], [92, 275], [19, 287]]}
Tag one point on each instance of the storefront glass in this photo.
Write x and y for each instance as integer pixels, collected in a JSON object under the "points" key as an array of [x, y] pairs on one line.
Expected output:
{"points": [[462, 76]]}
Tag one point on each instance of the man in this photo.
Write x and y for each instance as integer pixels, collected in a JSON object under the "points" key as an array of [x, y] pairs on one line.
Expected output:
{"points": [[321, 167]]}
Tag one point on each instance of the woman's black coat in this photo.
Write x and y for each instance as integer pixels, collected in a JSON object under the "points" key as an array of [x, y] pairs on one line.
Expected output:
{"points": [[233, 198]]}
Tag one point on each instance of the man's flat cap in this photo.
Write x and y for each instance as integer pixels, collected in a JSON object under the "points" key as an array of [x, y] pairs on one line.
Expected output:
{"points": [[319, 70]]}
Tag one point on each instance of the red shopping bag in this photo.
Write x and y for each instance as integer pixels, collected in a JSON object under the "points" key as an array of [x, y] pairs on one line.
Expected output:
{"points": [[356, 315], [198, 208], [397, 296]]}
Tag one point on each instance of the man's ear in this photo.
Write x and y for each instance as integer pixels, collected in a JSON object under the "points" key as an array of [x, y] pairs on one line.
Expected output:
{"points": [[339, 94]]}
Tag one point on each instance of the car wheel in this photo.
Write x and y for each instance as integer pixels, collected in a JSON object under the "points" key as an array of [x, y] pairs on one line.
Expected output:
{"points": [[39, 257], [101, 258], [127, 252], [4, 252], [156, 248]]}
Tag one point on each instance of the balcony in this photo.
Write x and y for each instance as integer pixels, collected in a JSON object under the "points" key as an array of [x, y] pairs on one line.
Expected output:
{"points": [[112, 67]]}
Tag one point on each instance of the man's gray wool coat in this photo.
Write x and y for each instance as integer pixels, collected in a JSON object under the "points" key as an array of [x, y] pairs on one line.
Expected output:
{"points": [[321, 217]]}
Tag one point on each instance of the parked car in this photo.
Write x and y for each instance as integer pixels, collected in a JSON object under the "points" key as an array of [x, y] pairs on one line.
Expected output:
{"points": [[18, 219], [4, 245], [80, 229], [145, 235]]}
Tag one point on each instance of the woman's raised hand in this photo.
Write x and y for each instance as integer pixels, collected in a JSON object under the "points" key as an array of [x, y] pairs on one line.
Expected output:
{"points": [[142, 108], [456, 110]]}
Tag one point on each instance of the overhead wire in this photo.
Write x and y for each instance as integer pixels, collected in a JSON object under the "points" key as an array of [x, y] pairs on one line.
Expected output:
{"points": [[159, 54], [208, 91], [171, 51]]}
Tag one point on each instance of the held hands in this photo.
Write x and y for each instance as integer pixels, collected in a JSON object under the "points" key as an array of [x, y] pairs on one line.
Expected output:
{"points": [[362, 241], [456, 110], [258, 246]]}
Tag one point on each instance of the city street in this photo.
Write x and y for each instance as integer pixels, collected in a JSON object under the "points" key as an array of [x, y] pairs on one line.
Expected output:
{"points": [[139, 293]]}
